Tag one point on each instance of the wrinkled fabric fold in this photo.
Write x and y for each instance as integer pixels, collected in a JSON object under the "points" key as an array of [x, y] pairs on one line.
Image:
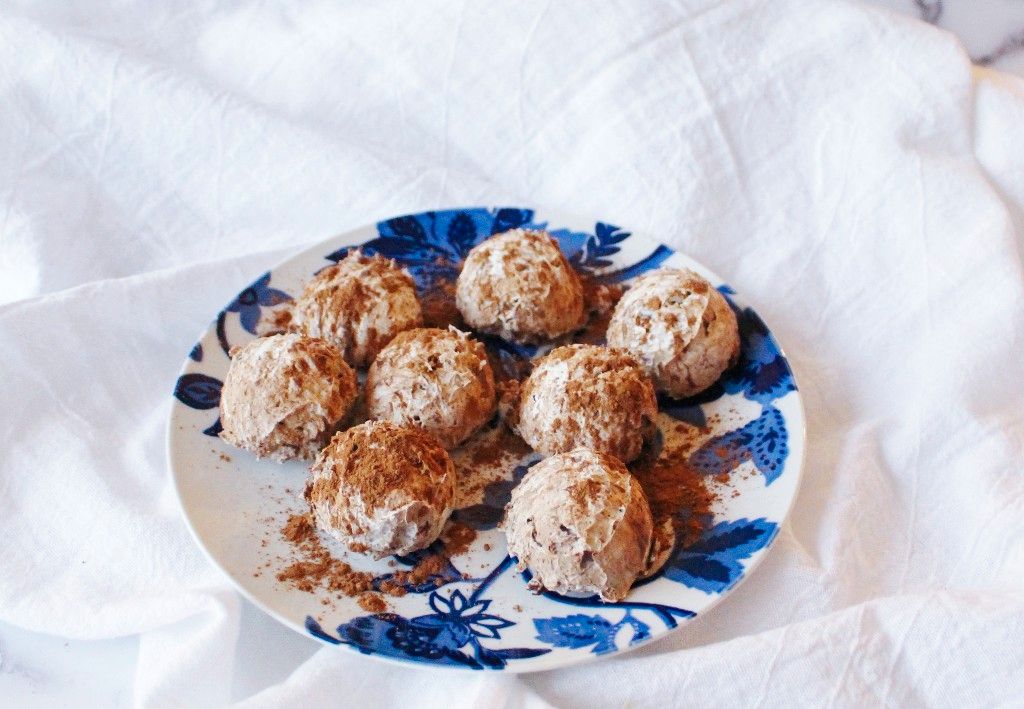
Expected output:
{"points": [[846, 170]]}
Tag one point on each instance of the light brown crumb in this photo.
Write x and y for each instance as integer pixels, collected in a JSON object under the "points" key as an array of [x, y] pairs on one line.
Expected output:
{"points": [[372, 603]]}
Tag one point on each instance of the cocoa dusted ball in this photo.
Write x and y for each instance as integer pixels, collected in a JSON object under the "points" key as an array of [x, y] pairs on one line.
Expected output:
{"points": [[581, 523], [518, 285], [679, 327], [285, 395], [437, 380], [382, 489], [589, 396], [359, 305]]}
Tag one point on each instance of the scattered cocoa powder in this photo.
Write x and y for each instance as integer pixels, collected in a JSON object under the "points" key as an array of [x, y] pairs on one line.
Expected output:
{"points": [[279, 321], [372, 603], [318, 569], [429, 566], [678, 494], [458, 538]]}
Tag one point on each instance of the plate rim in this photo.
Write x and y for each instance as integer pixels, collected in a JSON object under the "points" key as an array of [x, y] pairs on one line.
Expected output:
{"points": [[565, 661]]}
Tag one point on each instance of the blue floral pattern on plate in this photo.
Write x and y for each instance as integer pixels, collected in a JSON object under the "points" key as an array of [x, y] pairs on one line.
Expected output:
{"points": [[458, 619]]}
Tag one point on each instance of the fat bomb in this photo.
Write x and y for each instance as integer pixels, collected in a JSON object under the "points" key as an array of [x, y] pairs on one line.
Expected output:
{"points": [[519, 286], [679, 327], [437, 380], [358, 305], [581, 524], [382, 489], [284, 396], [586, 396]]}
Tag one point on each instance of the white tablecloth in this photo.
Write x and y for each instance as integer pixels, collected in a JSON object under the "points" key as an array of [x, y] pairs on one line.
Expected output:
{"points": [[846, 169]]}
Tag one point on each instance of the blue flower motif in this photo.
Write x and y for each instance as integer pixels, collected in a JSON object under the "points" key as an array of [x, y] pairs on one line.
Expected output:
{"points": [[578, 630], [712, 564], [439, 638], [763, 441], [248, 303]]}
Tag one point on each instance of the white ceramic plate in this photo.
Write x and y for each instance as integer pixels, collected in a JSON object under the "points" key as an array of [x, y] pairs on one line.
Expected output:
{"points": [[236, 505]]}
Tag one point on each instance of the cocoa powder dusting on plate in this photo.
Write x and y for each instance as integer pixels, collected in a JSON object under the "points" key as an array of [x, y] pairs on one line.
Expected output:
{"points": [[681, 500], [318, 569], [458, 538], [372, 603]]}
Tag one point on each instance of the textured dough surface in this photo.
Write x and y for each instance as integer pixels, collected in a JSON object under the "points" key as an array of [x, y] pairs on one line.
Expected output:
{"points": [[519, 286], [437, 380], [359, 304], [382, 489], [284, 396], [581, 523], [680, 328]]}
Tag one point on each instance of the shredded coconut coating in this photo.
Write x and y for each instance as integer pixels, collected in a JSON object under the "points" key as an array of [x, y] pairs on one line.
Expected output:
{"points": [[519, 286], [581, 523], [285, 395], [359, 305], [589, 396], [382, 489], [680, 328], [437, 380]]}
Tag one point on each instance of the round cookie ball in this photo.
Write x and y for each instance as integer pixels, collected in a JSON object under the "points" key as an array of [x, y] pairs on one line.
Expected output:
{"points": [[680, 328], [437, 380], [359, 304], [586, 396], [581, 523], [285, 395], [518, 285], [382, 489]]}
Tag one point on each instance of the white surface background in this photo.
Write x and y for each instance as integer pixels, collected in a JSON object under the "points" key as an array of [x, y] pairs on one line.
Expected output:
{"points": [[847, 170], [992, 30]]}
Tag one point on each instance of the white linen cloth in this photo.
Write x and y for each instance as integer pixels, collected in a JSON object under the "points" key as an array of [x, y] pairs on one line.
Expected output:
{"points": [[845, 169]]}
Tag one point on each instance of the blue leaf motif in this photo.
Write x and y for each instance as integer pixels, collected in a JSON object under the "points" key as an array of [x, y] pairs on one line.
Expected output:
{"points": [[761, 374], [196, 355], [198, 391], [407, 227], [462, 233], [712, 564], [573, 631], [601, 244], [248, 303], [578, 630], [763, 441], [507, 218]]}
